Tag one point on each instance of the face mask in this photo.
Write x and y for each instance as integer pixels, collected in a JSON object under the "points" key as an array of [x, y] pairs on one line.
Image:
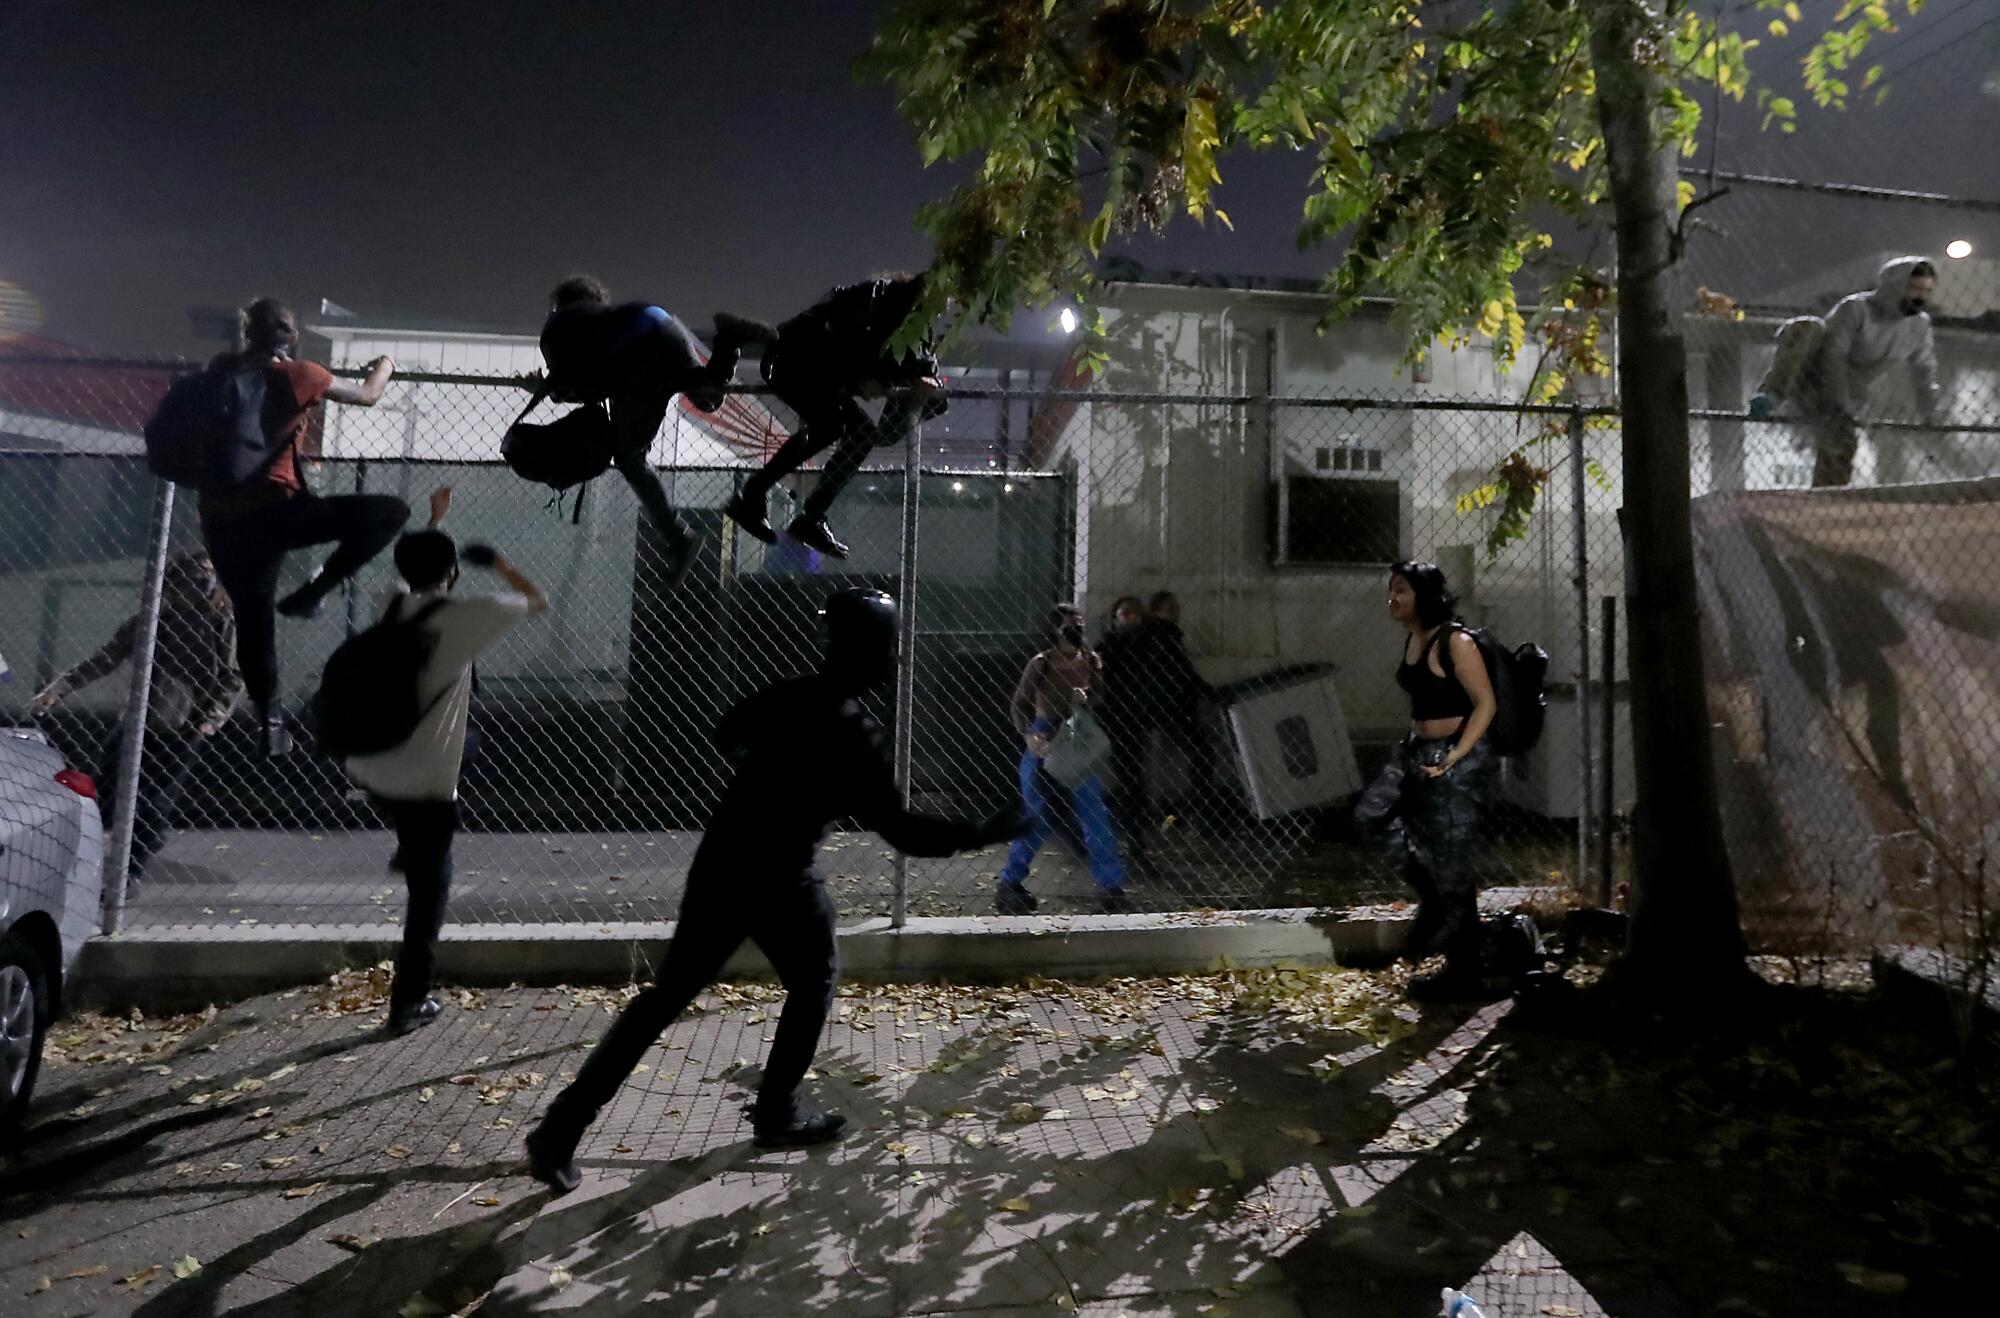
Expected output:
{"points": [[1912, 305], [1072, 634]]}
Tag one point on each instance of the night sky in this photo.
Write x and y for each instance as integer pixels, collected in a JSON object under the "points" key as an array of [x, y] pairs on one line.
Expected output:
{"points": [[453, 160]]}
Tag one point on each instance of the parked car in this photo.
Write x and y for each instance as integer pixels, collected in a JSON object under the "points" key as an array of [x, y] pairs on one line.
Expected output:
{"points": [[51, 880]]}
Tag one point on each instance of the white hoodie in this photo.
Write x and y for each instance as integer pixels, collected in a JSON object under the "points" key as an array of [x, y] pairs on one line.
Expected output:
{"points": [[1865, 332]]}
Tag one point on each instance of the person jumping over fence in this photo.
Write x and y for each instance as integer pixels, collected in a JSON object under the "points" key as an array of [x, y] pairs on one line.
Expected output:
{"points": [[1429, 794], [250, 528], [195, 687], [637, 357], [416, 783], [820, 362], [1827, 368], [1050, 712], [752, 877]]}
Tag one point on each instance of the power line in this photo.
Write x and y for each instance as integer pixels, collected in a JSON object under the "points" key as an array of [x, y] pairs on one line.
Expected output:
{"points": [[1952, 42]]}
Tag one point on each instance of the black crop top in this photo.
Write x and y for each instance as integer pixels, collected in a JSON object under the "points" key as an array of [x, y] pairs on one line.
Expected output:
{"points": [[1431, 696]]}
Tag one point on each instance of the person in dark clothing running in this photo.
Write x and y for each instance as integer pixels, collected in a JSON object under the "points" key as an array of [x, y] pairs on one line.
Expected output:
{"points": [[195, 686], [821, 361], [752, 878], [637, 357], [1429, 794], [251, 528]]}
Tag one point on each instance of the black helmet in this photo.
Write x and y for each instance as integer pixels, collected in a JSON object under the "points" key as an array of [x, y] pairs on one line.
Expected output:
{"points": [[861, 635]]}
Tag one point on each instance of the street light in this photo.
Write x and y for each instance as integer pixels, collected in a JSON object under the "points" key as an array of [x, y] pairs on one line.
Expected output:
{"points": [[1958, 249], [1067, 320]]}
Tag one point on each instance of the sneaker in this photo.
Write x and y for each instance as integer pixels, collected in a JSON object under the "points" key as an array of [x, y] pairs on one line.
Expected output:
{"points": [[413, 1016], [552, 1157], [1014, 899], [274, 739], [797, 1128], [748, 514], [814, 533], [1114, 901]]}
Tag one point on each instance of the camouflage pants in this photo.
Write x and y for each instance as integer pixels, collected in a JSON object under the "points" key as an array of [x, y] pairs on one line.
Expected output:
{"points": [[1431, 825]]}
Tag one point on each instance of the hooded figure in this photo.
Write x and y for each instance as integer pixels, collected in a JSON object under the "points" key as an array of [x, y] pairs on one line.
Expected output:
{"points": [[752, 877], [1827, 368]]}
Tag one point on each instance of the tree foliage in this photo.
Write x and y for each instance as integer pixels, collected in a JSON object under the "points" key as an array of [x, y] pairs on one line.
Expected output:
{"points": [[1449, 140]]}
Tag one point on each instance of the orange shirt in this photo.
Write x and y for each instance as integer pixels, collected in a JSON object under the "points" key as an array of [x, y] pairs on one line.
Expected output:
{"points": [[294, 389]]}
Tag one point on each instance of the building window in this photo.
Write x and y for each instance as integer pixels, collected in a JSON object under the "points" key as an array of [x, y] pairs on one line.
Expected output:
{"points": [[1331, 520]]}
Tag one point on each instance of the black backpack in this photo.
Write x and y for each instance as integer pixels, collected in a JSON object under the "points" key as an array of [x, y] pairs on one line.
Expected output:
{"points": [[1518, 676], [208, 432], [571, 450], [367, 700]]}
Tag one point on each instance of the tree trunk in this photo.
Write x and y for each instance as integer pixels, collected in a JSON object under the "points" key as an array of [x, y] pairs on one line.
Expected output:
{"points": [[1686, 938]]}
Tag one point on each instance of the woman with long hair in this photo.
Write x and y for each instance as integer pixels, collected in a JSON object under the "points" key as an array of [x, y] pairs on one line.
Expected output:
{"points": [[1430, 792]]}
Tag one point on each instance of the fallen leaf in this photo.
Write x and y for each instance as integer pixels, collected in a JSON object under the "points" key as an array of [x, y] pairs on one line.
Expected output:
{"points": [[1562, 1311], [259, 1114], [398, 1150], [283, 1071], [141, 1279], [350, 1242], [1304, 1134], [1875, 1283], [426, 1094], [487, 1201], [1017, 1205], [899, 1148], [305, 1191], [761, 1229], [186, 1266], [559, 1277], [40, 1286], [277, 1164]]}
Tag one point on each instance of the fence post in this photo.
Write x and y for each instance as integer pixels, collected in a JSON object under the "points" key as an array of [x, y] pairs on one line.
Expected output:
{"points": [[906, 654], [138, 700], [1608, 803], [1580, 554]]}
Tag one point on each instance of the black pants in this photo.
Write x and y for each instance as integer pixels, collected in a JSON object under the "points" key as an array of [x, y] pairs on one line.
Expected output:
{"points": [[164, 766], [792, 923], [651, 375], [249, 551], [424, 830], [828, 418], [1134, 760]]}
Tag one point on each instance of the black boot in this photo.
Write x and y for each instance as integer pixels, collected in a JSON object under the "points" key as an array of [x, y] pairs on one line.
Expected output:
{"points": [[746, 509], [1463, 979], [1014, 899], [305, 601], [552, 1153], [413, 1015], [814, 533], [794, 1126]]}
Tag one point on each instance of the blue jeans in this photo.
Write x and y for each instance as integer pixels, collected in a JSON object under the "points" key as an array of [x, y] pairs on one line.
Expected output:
{"points": [[1092, 816]]}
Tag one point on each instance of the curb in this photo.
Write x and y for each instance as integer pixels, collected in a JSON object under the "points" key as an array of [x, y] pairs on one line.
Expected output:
{"points": [[182, 969]]}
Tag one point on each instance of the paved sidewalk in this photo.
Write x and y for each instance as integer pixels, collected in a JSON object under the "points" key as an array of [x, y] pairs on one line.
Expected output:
{"points": [[1263, 1143]]}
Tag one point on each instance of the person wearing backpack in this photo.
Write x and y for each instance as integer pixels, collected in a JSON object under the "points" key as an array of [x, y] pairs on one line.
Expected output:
{"points": [[250, 526], [415, 781], [818, 364], [1430, 792], [752, 878], [635, 357]]}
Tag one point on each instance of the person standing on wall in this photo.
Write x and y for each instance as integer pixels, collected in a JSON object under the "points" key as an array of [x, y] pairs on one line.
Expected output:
{"points": [[250, 529], [821, 361]]}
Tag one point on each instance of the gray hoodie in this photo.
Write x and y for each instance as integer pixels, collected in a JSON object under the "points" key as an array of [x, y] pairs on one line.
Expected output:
{"points": [[1866, 332]]}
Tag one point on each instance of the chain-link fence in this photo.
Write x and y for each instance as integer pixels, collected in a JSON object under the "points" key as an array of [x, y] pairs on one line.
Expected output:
{"points": [[1226, 488]]}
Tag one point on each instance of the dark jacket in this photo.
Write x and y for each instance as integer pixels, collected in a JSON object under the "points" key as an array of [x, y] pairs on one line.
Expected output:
{"points": [[195, 680], [594, 350], [805, 756], [845, 336], [1149, 677]]}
